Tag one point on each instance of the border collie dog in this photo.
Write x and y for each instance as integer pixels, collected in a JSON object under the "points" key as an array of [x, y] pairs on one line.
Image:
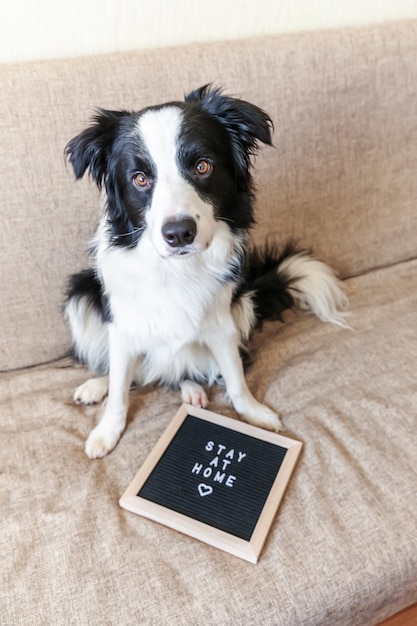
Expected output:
{"points": [[175, 291]]}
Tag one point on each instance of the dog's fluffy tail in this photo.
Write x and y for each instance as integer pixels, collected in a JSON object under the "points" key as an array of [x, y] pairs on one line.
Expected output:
{"points": [[280, 280]]}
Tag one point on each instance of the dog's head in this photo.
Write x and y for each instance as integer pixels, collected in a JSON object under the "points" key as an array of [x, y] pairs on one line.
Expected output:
{"points": [[176, 171]]}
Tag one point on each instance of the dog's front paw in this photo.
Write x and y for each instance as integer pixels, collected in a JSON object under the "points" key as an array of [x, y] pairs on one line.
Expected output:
{"points": [[100, 442], [193, 393], [93, 391], [260, 415]]}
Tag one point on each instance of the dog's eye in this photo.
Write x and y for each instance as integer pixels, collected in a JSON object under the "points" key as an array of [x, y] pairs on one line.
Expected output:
{"points": [[141, 180], [203, 168]]}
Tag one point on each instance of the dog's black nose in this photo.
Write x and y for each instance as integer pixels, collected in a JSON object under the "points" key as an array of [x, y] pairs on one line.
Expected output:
{"points": [[179, 233]]}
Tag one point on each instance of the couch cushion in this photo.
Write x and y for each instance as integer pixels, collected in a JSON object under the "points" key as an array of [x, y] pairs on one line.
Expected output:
{"points": [[343, 547], [341, 178]]}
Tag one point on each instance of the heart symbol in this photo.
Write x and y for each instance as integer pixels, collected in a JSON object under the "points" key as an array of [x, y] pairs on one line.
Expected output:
{"points": [[204, 490]]}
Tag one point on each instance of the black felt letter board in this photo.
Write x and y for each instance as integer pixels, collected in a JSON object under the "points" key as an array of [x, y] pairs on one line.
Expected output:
{"points": [[216, 475]]}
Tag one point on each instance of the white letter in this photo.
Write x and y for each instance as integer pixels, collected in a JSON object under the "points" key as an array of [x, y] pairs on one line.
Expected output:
{"points": [[230, 480], [220, 448], [215, 461], [225, 463], [241, 456], [207, 472], [209, 446], [230, 455], [197, 468], [219, 478]]}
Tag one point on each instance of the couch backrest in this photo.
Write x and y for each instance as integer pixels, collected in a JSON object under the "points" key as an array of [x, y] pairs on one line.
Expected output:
{"points": [[342, 176]]}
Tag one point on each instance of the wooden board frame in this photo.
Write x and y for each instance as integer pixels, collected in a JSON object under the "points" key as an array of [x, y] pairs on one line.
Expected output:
{"points": [[249, 550]]}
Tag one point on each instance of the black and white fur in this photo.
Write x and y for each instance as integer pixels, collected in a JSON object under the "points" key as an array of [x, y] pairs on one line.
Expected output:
{"points": [[174, 292]]}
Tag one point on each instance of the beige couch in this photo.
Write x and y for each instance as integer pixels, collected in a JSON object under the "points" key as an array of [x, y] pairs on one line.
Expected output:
{"points": [[342, 178]]}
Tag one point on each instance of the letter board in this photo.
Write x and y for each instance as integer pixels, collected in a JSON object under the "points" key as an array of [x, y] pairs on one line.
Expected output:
{"points": [[216, 479]]}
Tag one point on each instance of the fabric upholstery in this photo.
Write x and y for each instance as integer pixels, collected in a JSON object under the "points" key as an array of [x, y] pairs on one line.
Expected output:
{"points": [[341, 178], [342, 549]]}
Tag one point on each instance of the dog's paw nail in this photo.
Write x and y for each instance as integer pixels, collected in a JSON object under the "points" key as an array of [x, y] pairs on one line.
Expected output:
{"points": [[194, 394], [199, 400], [271, 421], [277, 425], [264, 417], [91, 392]]}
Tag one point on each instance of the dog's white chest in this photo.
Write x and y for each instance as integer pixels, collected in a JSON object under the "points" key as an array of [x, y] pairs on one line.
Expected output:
{"points": [[171, 302]]}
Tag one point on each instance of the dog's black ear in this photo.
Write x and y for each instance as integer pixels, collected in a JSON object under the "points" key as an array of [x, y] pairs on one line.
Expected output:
{"points": [[246, 123], [91, 148]]}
